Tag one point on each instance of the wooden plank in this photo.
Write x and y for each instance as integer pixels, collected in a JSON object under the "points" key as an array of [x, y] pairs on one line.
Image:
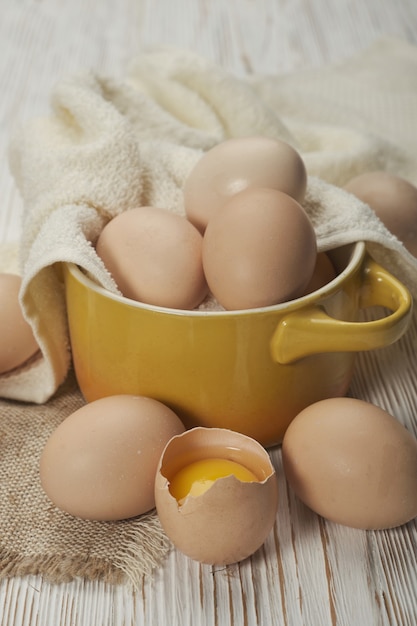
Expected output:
{"points": [[309, 572]]}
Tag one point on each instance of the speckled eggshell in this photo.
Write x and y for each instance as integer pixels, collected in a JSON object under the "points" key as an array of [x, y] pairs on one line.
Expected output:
{"points": [[231, 520], [352, 463], [237, 164], [100, 462], [17, 341]]}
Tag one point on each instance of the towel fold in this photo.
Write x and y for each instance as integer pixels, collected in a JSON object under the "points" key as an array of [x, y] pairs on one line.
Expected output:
{"points": [[108, 146]]}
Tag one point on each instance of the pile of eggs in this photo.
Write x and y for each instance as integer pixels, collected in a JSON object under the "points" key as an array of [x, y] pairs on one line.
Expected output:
{"points": [[245, 237], [247, 240], [216, 490]]}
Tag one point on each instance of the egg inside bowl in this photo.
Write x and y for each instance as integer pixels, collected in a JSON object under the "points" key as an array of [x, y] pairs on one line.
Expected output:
{"points": [[248, 370]]}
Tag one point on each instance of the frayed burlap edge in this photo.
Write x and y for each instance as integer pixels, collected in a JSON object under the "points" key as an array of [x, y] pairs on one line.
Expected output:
{"points": [[58, 568], [142, 554]]}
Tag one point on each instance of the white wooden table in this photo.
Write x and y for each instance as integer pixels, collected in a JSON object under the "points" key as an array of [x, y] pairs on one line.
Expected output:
{"points": [[309, 572]]}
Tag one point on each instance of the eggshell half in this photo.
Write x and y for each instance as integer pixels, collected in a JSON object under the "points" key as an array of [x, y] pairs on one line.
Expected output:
{"points": [[17, 341], [231, 520], [352, 463], [100, 462], [237, 164]]}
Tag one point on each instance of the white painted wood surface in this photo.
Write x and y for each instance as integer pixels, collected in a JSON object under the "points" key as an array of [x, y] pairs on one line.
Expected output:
{"points": [[309, 573]]}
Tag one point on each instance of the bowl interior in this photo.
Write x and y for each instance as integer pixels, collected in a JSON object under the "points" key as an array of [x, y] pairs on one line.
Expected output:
{"points": [[345, 259]]}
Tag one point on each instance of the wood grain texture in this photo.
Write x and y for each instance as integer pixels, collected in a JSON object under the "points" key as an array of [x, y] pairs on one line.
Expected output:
{"points": [[309, 572]]}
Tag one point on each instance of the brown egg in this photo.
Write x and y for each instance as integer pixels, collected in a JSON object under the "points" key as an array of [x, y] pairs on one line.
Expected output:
{"points": [[216, 494], [100, 462], [259, 250], [154, 257], [17, 342], [323, 274], [352, 463], [393, 199], [235, 165]]}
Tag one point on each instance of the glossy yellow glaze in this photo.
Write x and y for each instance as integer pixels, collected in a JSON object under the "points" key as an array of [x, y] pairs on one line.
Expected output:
{"points": [[250, 371], [311, 330]]}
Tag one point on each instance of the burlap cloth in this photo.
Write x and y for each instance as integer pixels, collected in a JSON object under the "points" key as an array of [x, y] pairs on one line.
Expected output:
{"points": [[38, 538]]}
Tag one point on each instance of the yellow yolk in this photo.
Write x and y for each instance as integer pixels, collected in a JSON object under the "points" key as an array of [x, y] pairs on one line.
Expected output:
{"points": [[198, 477]]}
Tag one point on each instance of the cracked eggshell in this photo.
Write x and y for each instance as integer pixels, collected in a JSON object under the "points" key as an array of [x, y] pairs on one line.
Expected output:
{"points": [[232, 519]]}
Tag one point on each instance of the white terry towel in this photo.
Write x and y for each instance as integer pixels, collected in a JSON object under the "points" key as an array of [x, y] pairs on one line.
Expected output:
{"points": [[108, 146]]}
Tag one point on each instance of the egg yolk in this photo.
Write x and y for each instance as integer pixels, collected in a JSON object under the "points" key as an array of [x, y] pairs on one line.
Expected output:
{"points": [[196, 478]]}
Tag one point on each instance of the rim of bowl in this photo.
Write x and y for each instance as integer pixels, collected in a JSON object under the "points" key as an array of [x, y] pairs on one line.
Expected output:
{"points": [[354, 261]]}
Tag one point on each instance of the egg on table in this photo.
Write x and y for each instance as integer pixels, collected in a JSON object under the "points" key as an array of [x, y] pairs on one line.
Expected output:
{"points": [[100, 462], [17, 341], [393, 199], [259, 250], [216, 494], [352, 463], [237, 164], [154, 256]]}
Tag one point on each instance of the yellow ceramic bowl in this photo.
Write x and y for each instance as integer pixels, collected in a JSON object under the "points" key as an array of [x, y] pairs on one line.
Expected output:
{"points": [[251, 371]]}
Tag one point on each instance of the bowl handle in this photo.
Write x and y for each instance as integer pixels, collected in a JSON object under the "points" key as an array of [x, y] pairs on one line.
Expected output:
{"points": [[311, 331]]}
